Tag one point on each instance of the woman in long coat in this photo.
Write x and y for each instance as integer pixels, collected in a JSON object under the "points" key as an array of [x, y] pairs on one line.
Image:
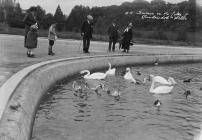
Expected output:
{"points": [[30, 31], [127, 37]]}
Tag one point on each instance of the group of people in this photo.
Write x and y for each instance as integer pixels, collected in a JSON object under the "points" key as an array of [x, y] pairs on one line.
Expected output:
{"points": [[113, 33], [31, 34]]}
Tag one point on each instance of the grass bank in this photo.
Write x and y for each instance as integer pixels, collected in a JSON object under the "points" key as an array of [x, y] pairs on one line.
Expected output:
{"points": [[180, 38]]}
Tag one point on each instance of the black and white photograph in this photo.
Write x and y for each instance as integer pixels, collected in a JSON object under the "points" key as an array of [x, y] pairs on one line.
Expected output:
{"points": [[100, 69]]}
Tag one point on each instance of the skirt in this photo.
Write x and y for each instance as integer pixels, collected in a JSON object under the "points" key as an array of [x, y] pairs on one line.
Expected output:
{"points": [[31, 41]]}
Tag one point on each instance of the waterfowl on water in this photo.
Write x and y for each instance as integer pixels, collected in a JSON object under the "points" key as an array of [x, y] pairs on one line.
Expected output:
{"points": [[111, 71], [187, 93], [76, 87], [156, 62], [96, 75], [157, 103], [141, 82], [128, 76], [160, 85], [93, 84], [187, 80]]}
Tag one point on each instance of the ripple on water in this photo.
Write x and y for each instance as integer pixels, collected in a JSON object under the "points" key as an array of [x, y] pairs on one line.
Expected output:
{"points": [[62, 115]]}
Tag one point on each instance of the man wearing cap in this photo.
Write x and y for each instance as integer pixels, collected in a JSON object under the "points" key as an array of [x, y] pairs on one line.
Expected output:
{"points": [[113, 36], [86, 33]]}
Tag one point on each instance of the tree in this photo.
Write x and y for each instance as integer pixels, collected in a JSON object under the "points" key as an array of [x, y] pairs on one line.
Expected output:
{"points": [[47, 20], [59, 18], [76, 18]]}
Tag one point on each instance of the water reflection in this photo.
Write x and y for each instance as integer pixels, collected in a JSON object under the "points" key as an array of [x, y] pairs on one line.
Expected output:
{"points": [[66, 115]]}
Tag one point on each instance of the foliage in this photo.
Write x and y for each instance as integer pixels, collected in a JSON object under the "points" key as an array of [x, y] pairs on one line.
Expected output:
{"points": [[150, 28], [59, 18]]}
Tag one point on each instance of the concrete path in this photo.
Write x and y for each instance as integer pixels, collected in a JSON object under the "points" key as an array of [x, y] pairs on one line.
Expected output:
{"points": [[13, 55]]}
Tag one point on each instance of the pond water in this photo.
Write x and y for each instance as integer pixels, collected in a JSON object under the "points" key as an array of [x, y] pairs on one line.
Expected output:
{"points": [[64, 115]]}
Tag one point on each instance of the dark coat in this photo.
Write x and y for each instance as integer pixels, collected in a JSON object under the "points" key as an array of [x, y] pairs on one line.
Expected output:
{"points": [[87, 29], [31, 41], [28, 21], [127, 37], [112, 32]]}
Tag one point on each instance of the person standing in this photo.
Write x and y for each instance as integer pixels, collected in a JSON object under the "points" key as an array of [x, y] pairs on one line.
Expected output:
{"points": [[113, 36], [52, 37], [127, 37], [30, 21], [86, 33]]}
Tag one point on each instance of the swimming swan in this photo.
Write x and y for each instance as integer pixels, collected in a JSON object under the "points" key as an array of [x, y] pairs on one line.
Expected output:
{"points": [[110, 71], [96, 75], [160, 85], [128, 76]]}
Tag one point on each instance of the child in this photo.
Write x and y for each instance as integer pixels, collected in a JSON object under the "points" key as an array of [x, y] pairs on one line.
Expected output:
{"points": [[51, 37]]}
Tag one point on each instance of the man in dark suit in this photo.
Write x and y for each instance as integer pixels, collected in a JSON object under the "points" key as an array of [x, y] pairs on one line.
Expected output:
{"points": [[113, 36], [86, 33]]}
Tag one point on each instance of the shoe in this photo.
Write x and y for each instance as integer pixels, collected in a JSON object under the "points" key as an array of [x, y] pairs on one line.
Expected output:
{"points": [[32, 55], [28, 54], [51, 53]]}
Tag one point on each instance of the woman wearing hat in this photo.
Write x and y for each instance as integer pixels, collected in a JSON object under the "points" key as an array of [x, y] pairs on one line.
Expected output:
{"points": [[86, 33], [127, 37], [31, 29]]}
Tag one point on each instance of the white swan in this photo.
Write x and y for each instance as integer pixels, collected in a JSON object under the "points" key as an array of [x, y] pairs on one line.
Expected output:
{"points": [[160, 85], [96, 75], [110, 71], [128, 76]]}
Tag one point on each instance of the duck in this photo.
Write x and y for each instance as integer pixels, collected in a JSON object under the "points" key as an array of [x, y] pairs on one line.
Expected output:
{"points": [[187, 93], [156, 62], [110, 71], [160, 85], [138, 72], [116, 93], [96, 75], [157, 103], [128, 76], [187, 80], [93, 84], [141, 82], [76, 87]]}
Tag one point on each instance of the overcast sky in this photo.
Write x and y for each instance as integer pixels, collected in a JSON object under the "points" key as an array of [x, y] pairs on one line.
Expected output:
{"points": [[67, 5]]}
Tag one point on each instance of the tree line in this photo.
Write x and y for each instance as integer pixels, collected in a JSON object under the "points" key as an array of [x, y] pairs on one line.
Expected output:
{"points": [[104, 16]]}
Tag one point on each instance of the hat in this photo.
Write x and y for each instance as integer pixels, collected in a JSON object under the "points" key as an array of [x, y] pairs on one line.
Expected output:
{"points": [[89, 17], [130, 24]]}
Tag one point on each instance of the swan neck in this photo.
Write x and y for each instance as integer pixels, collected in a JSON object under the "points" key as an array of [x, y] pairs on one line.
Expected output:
{"points": [[88, 72], [109, 66], [152, 87]]}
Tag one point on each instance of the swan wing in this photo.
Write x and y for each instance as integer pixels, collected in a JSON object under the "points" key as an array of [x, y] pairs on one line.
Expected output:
{"points": [[128, 76], [160, 79], [162, 89], [111, 71], [97, 75]]}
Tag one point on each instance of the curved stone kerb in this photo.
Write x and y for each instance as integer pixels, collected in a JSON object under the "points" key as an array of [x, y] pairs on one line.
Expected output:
{"points": [[17, 119]]}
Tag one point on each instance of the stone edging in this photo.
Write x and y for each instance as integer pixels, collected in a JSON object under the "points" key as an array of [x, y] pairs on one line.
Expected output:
{"points": [[21, 94]]}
